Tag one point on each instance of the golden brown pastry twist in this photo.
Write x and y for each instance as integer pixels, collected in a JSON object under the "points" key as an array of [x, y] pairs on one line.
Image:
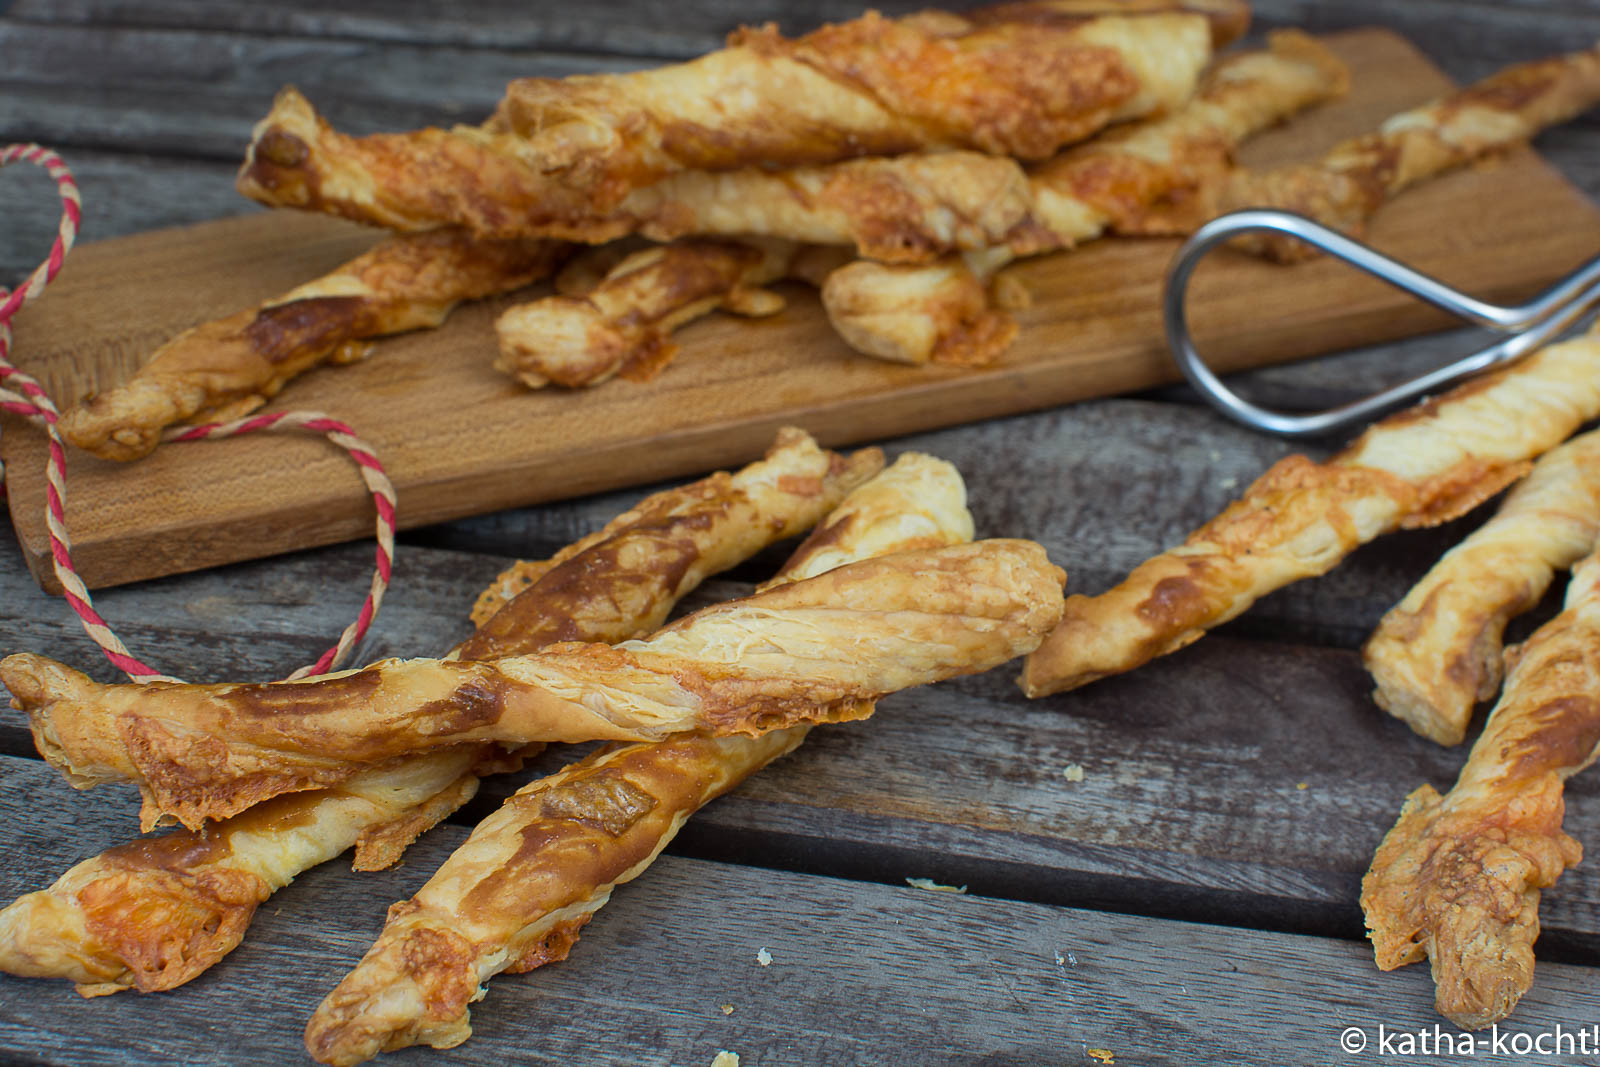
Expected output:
{"points": [[1415, 468], [1458, 877], [154, 913], [818, 650], [559, 155], [624, 324], [229, 367], [1160, 176], [1437, 653], [514, 896], [1357, 176]]}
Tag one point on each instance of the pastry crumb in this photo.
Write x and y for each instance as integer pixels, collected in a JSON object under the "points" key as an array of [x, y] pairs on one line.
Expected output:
{"points": [[727, 1009], [764, 958], [1302, 785], [934, 887], [1104, 1055], [725, 1059], [1229, 482], [1073, 772]]}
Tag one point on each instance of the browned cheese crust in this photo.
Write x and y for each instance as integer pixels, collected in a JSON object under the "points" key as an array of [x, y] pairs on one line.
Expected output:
{"points": [[669, 543], [624, 326], [154, 913], [1458, 877], [1419, 467], [1160, 176], [819, 650], [1357, 176], [559, 155], [226, 368], [515, 895], [1437, 653]]}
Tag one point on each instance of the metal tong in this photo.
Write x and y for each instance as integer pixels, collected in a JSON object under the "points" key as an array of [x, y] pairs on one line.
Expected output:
{"points": [[1530, 325]]}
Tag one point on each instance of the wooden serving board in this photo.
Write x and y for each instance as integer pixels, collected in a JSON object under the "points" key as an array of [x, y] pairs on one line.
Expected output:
{"points": [[458, 438]]}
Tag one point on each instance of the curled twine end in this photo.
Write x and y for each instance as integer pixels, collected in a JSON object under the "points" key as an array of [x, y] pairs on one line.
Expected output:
{"points": [[21, 395]]}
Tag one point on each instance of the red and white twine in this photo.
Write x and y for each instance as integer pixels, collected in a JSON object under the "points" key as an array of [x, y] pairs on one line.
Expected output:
{"points": [[20, 394]]}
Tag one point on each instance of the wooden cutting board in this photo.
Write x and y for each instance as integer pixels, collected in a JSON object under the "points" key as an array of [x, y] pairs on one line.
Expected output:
{"points": [[458, 438]]}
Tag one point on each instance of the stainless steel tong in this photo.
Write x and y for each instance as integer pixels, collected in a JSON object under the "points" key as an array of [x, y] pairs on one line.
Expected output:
{"points": [[1529, 325]]}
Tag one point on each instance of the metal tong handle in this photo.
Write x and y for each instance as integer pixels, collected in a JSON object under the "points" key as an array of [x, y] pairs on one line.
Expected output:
{"points": [[1538, 320]]}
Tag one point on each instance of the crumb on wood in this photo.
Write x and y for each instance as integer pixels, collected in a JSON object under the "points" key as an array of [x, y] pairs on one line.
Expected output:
{"points": [[1073, 772], [727, 1009], [764, 957], [1302, 785], [1104, 1055], [934, 887], [725, 1059]]}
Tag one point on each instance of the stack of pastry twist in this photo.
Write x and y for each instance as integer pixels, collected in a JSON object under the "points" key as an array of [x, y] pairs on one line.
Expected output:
{"points": [[897, 164], [888, 592]]}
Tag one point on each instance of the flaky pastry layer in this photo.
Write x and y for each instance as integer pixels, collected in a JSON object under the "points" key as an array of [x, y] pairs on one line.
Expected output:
{"points": [[624, 325], [1160, 176], [1016, 79], [227, 368], [1419, 467], [668, 544], [1437, 653], [818, 650]]}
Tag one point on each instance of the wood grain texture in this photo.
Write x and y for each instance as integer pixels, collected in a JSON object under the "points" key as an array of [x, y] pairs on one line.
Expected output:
{"points": [[458, 438], [859, 973]]}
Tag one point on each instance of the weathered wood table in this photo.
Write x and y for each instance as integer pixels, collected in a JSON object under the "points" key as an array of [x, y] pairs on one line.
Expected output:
{"points": [[1192, 899]]}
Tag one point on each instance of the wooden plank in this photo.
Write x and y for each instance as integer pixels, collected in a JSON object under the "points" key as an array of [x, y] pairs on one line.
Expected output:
{"points": [[617, 27], [1467, 40], [459, 438], [144, 94], [860, 973]]}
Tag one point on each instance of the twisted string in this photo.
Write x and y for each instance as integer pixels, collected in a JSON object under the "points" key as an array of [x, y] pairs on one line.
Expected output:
{"points": [[22, 395]]}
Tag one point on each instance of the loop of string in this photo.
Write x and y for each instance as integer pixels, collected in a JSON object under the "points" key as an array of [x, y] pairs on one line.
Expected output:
{"points": [[21, 395]]}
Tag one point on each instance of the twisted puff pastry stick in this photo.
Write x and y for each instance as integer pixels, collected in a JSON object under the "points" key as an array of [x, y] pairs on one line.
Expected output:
{"points": [[1160, 176], [623, 326], [1458, 878], [229, 367], [515, 895], [1437, 653], [816, 651], [154, 913], [559, 155], [1357, 176], [1154, 179], [1416, 468]]}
